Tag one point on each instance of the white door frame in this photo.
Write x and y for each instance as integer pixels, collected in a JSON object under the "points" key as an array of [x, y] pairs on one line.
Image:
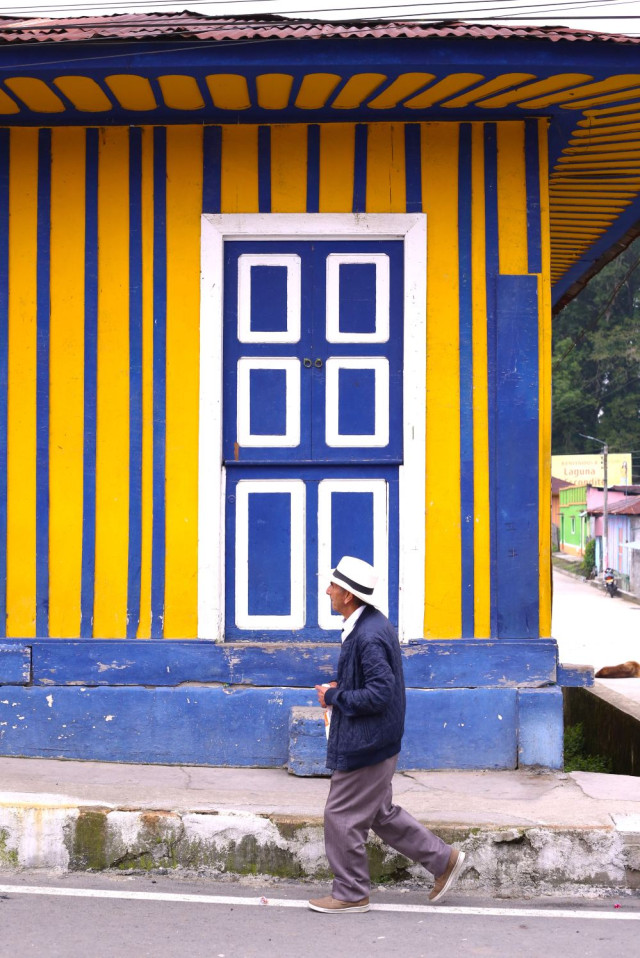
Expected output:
{"points": [[218, 228]]}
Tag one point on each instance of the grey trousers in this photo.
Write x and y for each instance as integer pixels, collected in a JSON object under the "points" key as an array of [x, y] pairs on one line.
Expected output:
{"points": [[362, 800]]}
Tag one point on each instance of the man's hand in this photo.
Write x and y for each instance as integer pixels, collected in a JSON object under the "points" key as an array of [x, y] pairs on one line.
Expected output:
{"points": [[320, 689]]}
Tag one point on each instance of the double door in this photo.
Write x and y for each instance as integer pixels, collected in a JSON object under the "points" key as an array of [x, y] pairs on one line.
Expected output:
{"points": [[312, 427]]}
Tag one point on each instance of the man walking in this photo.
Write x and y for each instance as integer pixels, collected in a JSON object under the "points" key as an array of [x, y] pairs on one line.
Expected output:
{"points": [[367, 705]]}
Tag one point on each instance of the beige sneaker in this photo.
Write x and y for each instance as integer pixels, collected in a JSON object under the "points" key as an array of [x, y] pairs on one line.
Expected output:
{"points": [[332, 906], [448, 877]]}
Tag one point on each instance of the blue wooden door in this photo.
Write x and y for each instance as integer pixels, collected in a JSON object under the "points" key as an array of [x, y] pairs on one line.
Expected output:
{"points": [[312, 436]]}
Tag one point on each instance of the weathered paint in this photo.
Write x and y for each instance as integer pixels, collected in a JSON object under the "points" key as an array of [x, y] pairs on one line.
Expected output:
{"points": [[464, 664], [232, 725], [15, 664], [540, 727], [572, 676], [133, 569]]}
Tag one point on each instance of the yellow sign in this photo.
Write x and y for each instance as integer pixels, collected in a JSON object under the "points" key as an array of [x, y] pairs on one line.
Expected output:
{"points": [[589, 470]]}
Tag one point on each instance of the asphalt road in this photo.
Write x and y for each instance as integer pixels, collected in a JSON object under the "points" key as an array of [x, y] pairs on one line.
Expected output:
{"points": [[117, 916], [591, 628]]}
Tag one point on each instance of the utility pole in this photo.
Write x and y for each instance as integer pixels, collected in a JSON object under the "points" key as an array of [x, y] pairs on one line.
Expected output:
{"points": [[605, 502]]}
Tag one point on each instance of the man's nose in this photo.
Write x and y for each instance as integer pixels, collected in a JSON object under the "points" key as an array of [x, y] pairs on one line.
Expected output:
{"points": [[328, 590]]}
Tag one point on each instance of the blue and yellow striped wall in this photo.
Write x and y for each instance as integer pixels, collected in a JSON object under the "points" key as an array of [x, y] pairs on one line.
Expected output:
{"points": [[99, 358]]}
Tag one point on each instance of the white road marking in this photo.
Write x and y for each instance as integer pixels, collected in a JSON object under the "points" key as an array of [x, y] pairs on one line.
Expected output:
{"points": [[617, 915]]}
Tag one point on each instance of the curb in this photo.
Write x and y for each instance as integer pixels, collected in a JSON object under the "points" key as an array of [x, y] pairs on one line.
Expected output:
{"points": [[510, 861]]}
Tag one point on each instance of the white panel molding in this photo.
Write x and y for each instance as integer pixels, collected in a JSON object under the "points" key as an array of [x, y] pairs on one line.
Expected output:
{"points": [[291, 367], [216, 229], [291, 262], [295, 488], [381, 263], [380, 490], [380, 367]]}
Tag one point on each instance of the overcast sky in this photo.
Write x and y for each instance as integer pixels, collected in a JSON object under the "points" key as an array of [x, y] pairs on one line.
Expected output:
{"points": [[606, 16]]}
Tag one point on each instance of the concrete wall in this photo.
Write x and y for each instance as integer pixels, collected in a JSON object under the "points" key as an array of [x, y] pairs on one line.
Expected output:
{"points": [[611, 725]]}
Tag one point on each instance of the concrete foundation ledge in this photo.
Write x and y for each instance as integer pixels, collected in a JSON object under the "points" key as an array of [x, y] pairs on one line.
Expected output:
{"points": [[509, 861]]}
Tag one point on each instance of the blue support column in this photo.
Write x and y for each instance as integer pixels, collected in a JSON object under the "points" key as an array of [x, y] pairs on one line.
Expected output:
{"points": [[540, 727]]}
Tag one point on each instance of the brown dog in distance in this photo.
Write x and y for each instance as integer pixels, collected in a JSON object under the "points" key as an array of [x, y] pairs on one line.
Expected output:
{"points": [[626, 670]]}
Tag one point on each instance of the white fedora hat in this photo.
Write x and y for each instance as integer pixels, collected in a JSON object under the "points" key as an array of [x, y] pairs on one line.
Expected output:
{"points": [[356, 576]]}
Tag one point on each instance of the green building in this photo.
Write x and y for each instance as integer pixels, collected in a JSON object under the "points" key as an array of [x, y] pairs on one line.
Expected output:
{"points": [[574, 526]]}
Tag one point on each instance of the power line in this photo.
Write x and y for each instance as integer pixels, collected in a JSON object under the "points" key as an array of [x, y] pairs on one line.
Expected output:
{"points": [[479, 9]]}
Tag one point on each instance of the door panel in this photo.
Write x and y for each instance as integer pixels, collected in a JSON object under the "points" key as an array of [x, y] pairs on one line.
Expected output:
{"points": [[312, 426]]}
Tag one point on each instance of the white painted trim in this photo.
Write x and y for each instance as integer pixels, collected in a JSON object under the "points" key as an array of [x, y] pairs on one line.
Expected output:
{"points": [[379, 365], [292, 264], [291, 367], [381, 331], [380, 490], [296, 490], [216, 228]]}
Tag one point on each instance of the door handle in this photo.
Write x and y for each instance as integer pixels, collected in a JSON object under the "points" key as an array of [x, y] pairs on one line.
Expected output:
{"points": [[306, 363], [318, 364]]}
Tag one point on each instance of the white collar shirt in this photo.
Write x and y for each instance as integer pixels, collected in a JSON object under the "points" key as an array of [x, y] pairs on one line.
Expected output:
{"points": [[349, 624]]}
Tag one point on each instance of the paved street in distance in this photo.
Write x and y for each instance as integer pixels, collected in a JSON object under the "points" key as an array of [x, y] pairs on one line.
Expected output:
{"points": [[593, 629]]}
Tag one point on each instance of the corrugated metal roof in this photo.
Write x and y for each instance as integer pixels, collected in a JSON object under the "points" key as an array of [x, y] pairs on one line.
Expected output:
{"points": [[189, 25], [629, 506]]}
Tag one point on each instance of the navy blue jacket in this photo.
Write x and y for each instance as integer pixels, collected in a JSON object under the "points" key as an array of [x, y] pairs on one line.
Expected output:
{"points": [[367, 721]]}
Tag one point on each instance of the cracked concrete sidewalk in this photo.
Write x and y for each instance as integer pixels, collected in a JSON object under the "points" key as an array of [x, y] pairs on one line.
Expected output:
{"points": [[526, 832]]}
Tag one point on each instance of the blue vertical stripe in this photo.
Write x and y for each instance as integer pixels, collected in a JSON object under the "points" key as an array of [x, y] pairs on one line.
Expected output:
{"points": [[360, 169], [90, 386], [313, 168], [532, 177], [264, 169], [516, 475], [413, 167], [4, 366], [212, 169], [135, 382], [466, 381], [43, 304], [159, 378], [492, 266]]}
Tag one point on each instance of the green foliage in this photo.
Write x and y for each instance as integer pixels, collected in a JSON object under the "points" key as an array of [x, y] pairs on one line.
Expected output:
{"points": [[576, 757], [596, 384], [589, 559]]}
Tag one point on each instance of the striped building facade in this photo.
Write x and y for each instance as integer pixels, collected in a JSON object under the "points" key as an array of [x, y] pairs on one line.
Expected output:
{"points": [[100, 309], [264, 304]]}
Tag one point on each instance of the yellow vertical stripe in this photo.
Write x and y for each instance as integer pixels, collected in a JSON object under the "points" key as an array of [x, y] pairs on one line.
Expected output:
{"points": [[184, 206], [443, 607], [337, 156], [239, 188], [21, 425], [144, 627], [512, 200], [112, 453], [481, 528], [544, 378], [289, 169], [66, 380], [386, 181]]}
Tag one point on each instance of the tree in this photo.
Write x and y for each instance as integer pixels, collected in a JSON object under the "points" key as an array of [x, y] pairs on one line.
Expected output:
{"points": [[596, 361]]}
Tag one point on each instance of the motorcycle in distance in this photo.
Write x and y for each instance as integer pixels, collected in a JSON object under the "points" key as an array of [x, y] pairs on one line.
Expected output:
{"points": [[610, 583]]}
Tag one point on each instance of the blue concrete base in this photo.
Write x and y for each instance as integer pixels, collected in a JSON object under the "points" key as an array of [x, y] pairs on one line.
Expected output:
{"points": [[15, 664], [470, 704], [445, 728], [307, 742], [540, 727]]}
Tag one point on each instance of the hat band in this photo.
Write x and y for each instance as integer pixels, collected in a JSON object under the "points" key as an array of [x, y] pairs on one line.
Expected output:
{"points": [[350, 582]]}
